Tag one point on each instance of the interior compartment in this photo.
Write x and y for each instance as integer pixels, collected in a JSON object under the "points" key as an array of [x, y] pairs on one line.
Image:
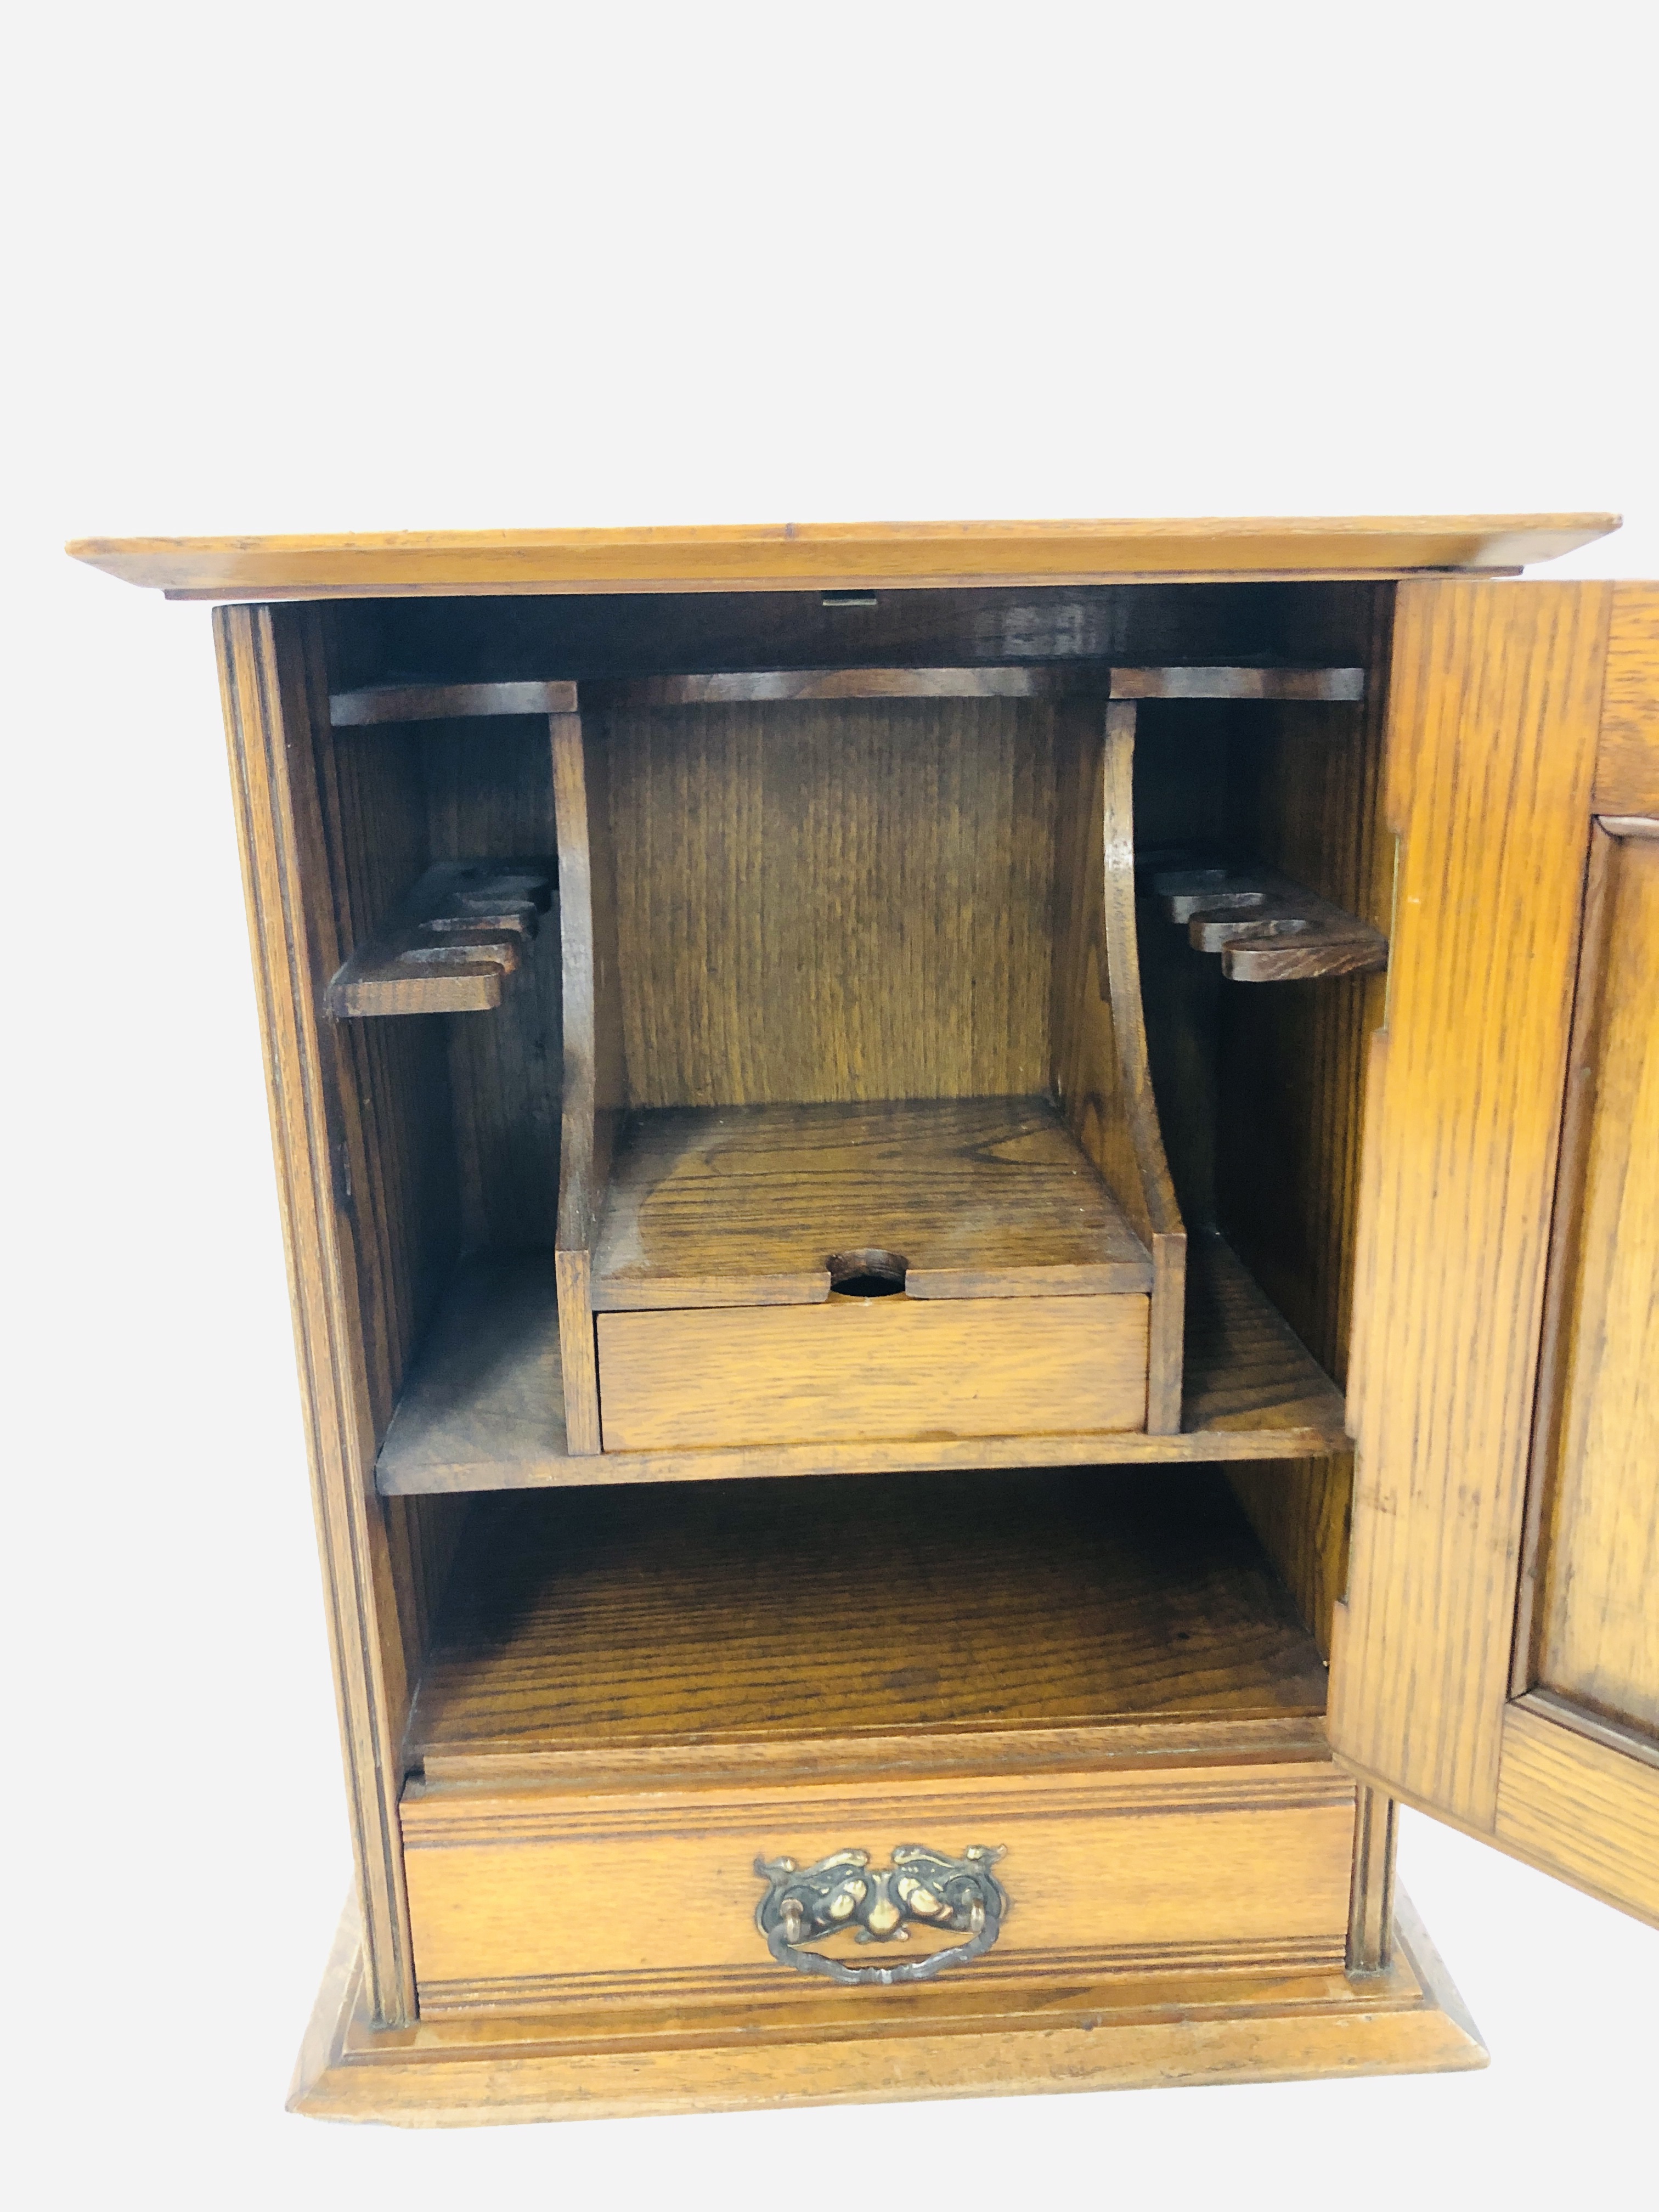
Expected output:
{"points": [[831, 941], [1036, 1615], [903, 972]]}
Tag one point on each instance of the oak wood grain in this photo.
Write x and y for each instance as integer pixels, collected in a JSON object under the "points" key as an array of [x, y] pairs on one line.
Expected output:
{"points": [[489, 792], [1589, 1625], [1304, 794], [1034, 680], [393, 1166], [833, 901], [1628, 754], [1266, 928], [394, 1107], [746, 1205], [448, 947], [579, 1365], [783, 1761], [1099, 1067], [1254, 683], [1371, 1898], [1246, 1368], [1581, 1808], [275, 702], [1128, 2031], [1132, 1871], [482, 1408], [1300, 1509], [486, 1400], [594, 1066], [762, 686], [1331, 947], [754, 1613], [444, 703], [870, 1369], [826, 556], [1495, 700]]}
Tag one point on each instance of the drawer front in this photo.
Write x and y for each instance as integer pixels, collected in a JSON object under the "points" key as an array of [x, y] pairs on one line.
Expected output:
{"points": [[853, 1370], [530, 1898]]}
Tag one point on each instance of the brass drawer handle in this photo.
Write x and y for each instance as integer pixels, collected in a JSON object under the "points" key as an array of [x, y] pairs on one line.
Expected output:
{"points": [[844, 1891]]}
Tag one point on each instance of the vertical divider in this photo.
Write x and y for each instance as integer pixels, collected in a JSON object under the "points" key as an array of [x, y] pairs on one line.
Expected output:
{"points": [[1099, 1062], [594, 1069]]}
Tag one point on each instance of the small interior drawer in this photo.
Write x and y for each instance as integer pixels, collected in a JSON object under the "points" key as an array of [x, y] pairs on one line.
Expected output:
{"points": [[854, 1368], [528, 1897]]}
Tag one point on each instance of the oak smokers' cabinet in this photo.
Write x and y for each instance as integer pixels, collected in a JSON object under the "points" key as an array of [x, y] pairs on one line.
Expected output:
{"points": [[849, 1103]]}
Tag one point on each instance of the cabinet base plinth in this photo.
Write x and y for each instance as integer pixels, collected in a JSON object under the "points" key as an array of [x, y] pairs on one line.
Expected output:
{"points": [[1127, 2034]]}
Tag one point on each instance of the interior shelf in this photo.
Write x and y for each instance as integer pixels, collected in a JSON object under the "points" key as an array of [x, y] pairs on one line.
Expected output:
{"points": [[939, 1198], [1040, 1614], [450, 946], [1266, 928], [481, 1409]]}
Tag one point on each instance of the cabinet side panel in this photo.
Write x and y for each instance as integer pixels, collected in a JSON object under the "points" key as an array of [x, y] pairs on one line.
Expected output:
{"points": [[1299, 1509], [1492, 719], [275, 699]]}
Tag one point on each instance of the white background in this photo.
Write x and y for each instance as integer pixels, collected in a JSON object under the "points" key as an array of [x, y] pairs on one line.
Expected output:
{"points": [[325, 267]]}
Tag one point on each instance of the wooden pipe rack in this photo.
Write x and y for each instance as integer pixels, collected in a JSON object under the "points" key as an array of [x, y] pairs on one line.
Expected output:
{"points": [[1266, 928], [451, 945]]}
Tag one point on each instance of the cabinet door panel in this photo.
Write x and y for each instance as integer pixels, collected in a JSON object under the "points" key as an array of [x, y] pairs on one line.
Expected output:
{"points": [[1585, 1809], [1497, 1655], [1493, 706], [1590, 1597]]}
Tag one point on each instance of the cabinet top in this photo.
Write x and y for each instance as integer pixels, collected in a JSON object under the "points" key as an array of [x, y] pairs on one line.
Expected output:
{"points": [[811, 556]]}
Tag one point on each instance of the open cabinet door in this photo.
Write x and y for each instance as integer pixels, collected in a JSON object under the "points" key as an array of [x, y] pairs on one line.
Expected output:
{"points": [[1496, 1658]]}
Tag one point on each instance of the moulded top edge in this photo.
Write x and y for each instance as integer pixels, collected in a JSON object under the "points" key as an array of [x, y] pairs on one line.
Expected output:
{"points": [[810, 557]]}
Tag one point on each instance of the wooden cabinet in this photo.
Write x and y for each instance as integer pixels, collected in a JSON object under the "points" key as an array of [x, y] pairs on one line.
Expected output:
{"points": [[922, 1168]]}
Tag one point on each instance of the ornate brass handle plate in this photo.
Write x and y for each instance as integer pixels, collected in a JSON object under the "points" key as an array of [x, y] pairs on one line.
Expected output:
{"points": [[803, 1904]]}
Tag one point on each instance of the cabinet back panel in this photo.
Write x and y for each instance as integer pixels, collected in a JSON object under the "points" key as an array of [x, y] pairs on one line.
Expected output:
{"points": [[834, 901]]}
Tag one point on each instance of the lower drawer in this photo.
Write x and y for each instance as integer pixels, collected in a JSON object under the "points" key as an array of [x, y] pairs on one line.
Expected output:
{"points": [[853, 1370], [531, 1898]]}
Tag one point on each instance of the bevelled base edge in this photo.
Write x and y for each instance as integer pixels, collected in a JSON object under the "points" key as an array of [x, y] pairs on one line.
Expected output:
{"points": [[1410, 2020]]}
